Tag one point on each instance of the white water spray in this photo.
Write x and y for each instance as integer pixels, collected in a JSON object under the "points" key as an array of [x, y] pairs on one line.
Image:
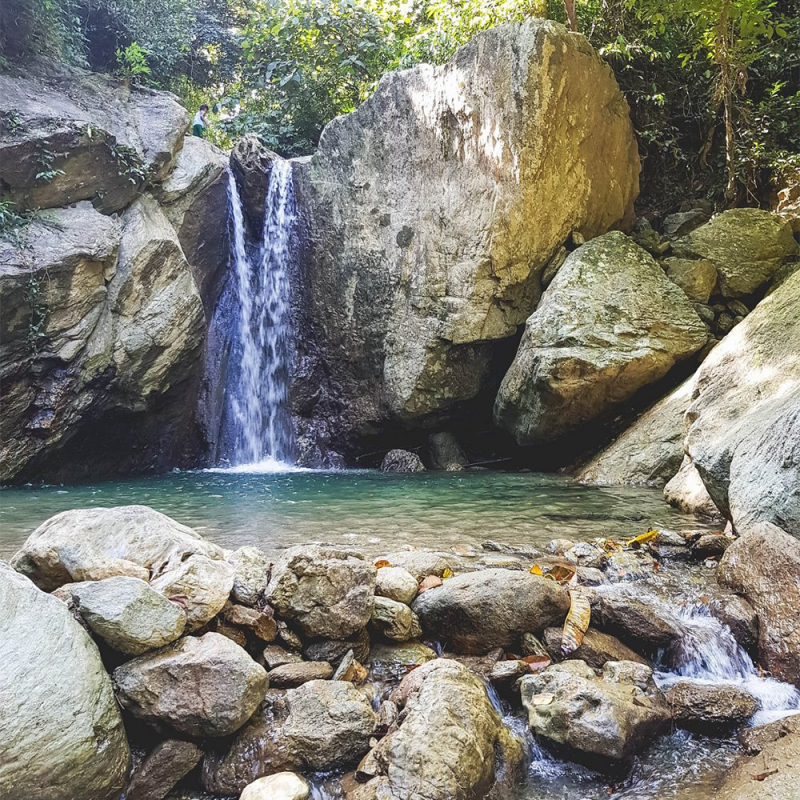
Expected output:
{"points": [[257, 400]]}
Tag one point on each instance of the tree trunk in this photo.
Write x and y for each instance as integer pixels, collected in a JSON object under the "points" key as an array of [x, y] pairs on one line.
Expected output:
{"points": [[569, 6], [727, 78]]}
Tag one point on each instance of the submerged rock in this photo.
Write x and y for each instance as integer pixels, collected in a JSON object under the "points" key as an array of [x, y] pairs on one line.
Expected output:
{"points": [[402, 461], [477, 611], [200, 686], [709, 708], [451, 743], [411, 287], [609, 324], [325, 592], [321, 725], [764, 565], [128, 615], [61, 733], [599, 718]]}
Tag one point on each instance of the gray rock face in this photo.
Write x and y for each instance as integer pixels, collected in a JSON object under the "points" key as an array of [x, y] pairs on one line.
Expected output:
{"points": [[251, 574], [323, 591], [677, 225], [107, 140], [206, 686], [609, 324], [402, 461], [746, 245], [128, 615], [687, 492], [450, 743], [606, 719], [420, 563], [477, 611], [650, 451], [252, 163], [739, 616], [753, 566], [407, 288], [446, 452], [321, 725], [169, 761], [61, 734], [744, 421], [709, 708]]}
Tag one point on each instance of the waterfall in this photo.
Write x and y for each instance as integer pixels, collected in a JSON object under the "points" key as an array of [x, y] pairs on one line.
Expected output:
{"points": [[256, 413]]}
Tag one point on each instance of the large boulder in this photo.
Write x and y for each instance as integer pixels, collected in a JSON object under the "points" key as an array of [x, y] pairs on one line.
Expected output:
{"points": [[744, 422], [325, 592], [595, 649], [645, 627], [609, 324], [746, 245], [477, 611], [601, 718], [686, 491], [93, 137], [320, 726], [451, 744], [61, 733], [199, 686], [650, 451], [763, 566], [127, 614], [405, 289], [709, 708]]}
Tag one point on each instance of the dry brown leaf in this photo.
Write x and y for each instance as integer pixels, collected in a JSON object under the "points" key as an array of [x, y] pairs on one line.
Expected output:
{"points": [[382, 562], [542, 699], [577, 621]]}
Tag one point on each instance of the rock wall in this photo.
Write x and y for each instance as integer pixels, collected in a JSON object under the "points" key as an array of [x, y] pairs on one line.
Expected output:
{"points": [[430, 212], [105, 293]]}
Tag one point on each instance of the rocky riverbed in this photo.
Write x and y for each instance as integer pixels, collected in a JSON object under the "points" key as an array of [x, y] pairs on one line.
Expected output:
{"points": [[147, 662]]}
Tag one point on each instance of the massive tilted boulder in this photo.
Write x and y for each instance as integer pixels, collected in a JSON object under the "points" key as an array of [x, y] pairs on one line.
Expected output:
{"points": [[746, 245], [199, 686], [744, 422], [95, 138], [763, 566], [321, 725], [61, 734], [406, 287], [650, 451], [477, 611], [451, 744], [325, 592], [606, 717], [609, 323]]}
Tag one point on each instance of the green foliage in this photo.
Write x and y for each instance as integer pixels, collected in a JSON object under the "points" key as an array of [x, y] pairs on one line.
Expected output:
{"points": [[37, 322], [132, 63], [12, 222]]}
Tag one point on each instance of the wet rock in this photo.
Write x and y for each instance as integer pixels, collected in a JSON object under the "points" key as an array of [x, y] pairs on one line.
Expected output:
{"points": [[446, 452], [569, 705], [650, 451], [402, 461], [596, 649], [558, 547], [282, 786], [763, 566], [586, 554], [431, 346], [200, 686], [202, 583], [451, 744], [251, 164], [350, 670], [276, 656], [633, 672], [128, 615], [320, 726], [644, 627], [259, 623], [609, 323], [334, 650], [531, 646], [289, 676], [505, 672], [688, 492], [397, 584], [251, 574], [739, 616], [754, 740], [684, 222], [394, 660], [419, 563], [626, 565], [746, 245], [394, 620], [162, 769], [590, 576], [709, 707], [61, 734], [491, 608], [697, 277], [711, 544], [289, 637], [325, 592], [65, 547]]}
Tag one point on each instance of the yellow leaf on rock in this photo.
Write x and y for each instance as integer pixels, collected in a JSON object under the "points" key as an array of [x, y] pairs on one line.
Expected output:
{"points": [[448, 573], [542, 699], [536, 570], [382, 563], [576, 623], [642, 538]]}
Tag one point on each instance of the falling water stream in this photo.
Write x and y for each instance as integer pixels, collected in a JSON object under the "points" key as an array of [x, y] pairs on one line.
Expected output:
{"points": [[257, 394]]}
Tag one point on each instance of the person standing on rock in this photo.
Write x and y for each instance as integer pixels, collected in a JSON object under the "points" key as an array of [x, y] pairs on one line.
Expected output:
{"points": [[200, 121]]}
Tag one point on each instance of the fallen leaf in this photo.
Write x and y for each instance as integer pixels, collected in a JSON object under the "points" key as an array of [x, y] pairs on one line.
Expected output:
{"points": [[429, 582], [537, 663], [448, 573], [761, 776], [562, 572], [536, 570], [382, 562], [576, 623], [642, 538], [542, 699]]}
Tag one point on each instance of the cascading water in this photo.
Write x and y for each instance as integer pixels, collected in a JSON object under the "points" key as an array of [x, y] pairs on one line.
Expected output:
{"points": [[256, 414]]}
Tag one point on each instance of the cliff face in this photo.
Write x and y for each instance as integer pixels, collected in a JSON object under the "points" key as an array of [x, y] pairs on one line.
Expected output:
{"points": [[103, 293]]}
